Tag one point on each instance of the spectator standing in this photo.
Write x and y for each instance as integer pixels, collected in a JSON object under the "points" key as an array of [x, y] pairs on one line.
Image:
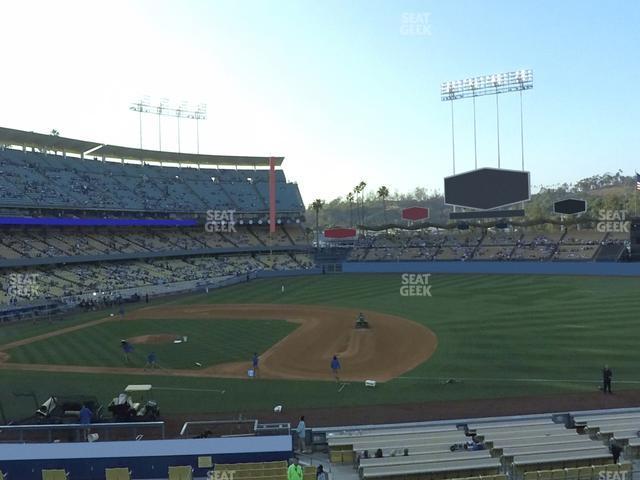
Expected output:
{"points": [[615, 450], [301, 431], [85, 419], [607, 374], [85, 415], [321, 474], [295, 472]]}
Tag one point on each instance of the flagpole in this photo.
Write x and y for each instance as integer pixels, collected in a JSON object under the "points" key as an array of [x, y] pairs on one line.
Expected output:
{"points": [[635, 196]]}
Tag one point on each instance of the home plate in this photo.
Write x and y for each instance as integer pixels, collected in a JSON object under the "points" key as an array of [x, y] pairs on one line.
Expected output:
{"points": [[198, 364], [177, 341]]}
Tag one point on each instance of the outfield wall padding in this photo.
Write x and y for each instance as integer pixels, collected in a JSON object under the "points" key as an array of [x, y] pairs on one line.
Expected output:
{"points": [[528, 268]]}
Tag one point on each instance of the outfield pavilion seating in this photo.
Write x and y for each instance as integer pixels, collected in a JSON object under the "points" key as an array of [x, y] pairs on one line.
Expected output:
{"points": [[536, 246], [579, 244], [494, 253], [492, 245]]}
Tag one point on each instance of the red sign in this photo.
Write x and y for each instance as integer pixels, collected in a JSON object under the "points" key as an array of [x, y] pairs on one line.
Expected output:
{"points": [[340, 232], [415, 213]]}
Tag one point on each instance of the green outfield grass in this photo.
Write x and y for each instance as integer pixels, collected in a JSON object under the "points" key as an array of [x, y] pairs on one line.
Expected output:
{"points": [[208, 343], [499, 335]]}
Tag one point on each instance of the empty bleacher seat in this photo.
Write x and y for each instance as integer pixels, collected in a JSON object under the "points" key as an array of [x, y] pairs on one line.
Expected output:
{"points": [[181, 473], [54, 475], [117, 474]]}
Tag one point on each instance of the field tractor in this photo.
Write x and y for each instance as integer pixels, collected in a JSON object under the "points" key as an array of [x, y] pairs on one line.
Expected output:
{"points": [[124, 408], [361, 322]]}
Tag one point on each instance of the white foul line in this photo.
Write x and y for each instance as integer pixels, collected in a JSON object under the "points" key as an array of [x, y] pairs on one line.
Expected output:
{"points": [[506, 380], [178, 389]]}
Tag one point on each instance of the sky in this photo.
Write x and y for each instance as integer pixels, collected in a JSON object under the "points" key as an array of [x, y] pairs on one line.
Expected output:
{"points": [[345, 90]]}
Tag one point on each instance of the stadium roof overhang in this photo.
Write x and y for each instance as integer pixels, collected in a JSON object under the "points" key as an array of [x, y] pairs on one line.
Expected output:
{"points": [[10, 136]]}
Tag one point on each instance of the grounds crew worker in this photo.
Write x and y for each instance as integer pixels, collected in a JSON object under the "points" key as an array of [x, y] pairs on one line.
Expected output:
{"points": [[295, 472], [606, 379]]}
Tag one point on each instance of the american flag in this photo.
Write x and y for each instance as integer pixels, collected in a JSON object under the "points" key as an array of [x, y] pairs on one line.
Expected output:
{"points": [[637, 181]]}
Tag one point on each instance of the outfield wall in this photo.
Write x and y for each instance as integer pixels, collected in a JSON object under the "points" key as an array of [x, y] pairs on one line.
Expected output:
{"points": [[148, 459], [529, 268]]}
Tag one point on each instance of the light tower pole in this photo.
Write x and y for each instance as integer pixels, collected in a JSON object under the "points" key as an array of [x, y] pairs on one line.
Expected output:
{"points": [[496, 84], [163, 108]]}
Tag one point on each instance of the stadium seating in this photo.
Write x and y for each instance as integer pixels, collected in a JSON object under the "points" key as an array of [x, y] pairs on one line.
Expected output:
{"points": [[521, 448], [254, 471], [54, 475], [181, 473], [591, 472], [109, 278], [493, 245], [117, 474], [18, 243], [31, 179]]}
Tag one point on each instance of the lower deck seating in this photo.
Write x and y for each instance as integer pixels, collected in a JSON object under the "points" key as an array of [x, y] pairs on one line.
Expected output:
{"points": [[117, 474], [181, 473], [436, 470], [590, 472], [254, 471], [54, 475]]}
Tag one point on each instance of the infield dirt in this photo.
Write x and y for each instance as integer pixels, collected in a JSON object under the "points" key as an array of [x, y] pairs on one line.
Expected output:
{"points": [[392, 346]]}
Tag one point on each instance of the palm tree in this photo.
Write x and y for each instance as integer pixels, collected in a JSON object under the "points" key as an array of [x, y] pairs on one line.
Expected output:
{"points": [[350, 200], [357, 191], [317, 206], [383, 193], [360, 190]]}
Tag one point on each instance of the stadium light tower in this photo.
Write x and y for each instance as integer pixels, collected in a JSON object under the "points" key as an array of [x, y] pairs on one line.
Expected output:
{"points": [[495, 84], [164, 108]]}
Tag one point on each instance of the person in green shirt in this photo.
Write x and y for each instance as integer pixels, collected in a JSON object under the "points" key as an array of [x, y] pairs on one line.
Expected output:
{"points": [[295, 472]]}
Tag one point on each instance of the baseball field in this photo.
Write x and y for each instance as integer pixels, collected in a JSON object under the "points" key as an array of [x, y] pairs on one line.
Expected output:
{"points": [[475, 339]]}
